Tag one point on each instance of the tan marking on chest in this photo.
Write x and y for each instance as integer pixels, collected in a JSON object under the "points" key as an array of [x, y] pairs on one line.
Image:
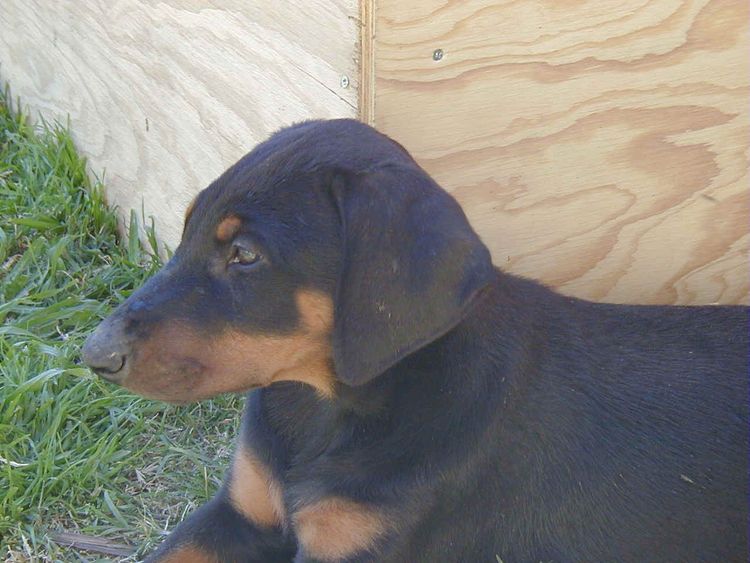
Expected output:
{"points": [[253, 491], [228, 228], [335, 528], [188, 554]]}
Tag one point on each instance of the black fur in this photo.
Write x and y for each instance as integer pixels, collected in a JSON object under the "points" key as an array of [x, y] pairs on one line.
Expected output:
{"points": [[489, 417]]}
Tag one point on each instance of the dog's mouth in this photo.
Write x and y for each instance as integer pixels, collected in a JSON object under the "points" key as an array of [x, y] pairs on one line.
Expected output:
{"points": [[179, 362], [183, 381]]}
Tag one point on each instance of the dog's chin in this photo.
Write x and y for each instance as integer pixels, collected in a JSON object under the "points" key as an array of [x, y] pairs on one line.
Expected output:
{"points": [[171, 398], [158, 395], [188, 390]]}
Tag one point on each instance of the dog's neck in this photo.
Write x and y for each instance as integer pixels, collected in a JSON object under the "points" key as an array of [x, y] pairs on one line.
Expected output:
{"points": [[501, 321], [474, 377]]}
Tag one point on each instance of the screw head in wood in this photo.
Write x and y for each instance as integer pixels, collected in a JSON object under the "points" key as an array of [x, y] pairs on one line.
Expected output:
{"points": [[437, 54], [344, 81]]}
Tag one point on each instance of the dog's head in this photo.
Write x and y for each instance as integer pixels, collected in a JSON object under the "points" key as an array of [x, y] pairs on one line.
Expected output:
{"points": [[325, 255]]}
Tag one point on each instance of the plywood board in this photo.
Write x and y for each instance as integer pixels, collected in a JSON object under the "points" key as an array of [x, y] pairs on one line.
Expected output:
{"points": [[164, 96], [598, 145]]}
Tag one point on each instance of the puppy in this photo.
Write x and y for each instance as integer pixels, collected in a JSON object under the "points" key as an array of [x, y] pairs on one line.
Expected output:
{"points": [[408, 401]]}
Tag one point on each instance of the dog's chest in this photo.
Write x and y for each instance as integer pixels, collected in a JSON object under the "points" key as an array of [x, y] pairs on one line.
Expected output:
{"points": [[291, 429]]}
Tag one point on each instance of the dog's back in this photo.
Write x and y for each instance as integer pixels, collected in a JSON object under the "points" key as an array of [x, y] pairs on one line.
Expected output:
{"points": [[622, 435]]}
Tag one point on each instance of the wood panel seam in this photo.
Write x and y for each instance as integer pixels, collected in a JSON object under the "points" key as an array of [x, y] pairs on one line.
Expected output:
{"points": [[367, 62]]}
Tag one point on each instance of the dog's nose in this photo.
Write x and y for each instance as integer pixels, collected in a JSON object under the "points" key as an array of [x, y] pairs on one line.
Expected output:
{"points": [[106, 364], [105, 352]]}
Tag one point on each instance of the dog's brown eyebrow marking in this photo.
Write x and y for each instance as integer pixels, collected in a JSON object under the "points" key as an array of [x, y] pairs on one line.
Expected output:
{"points": [[336, 528], [253, 491], [228, 227]]}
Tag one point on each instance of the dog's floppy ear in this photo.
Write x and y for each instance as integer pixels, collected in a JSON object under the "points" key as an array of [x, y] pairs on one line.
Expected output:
{"points": [[411, 266]]}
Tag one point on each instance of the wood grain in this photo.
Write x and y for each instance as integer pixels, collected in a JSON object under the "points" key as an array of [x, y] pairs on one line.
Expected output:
{"points": [[165, 95], [598, 145]]}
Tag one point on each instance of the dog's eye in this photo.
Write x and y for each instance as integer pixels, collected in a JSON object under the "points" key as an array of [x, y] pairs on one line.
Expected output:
{"points": [[243, 255]]}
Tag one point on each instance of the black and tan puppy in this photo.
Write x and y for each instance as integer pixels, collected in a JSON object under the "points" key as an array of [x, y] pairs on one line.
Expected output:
{"points": [[410, 402]]}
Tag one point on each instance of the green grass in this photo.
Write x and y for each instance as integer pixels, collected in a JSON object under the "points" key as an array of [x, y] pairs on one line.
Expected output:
{"points": [[77, 454]]}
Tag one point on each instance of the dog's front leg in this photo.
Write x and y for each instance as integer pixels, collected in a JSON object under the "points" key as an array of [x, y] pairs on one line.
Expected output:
{"points": [[244, 522], [218, 533]]}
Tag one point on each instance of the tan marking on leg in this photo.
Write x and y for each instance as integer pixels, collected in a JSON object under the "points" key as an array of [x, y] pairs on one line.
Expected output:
{"points": [[253, 491], [188, 554], [336, 528], [228, 228], [178, 364]]}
